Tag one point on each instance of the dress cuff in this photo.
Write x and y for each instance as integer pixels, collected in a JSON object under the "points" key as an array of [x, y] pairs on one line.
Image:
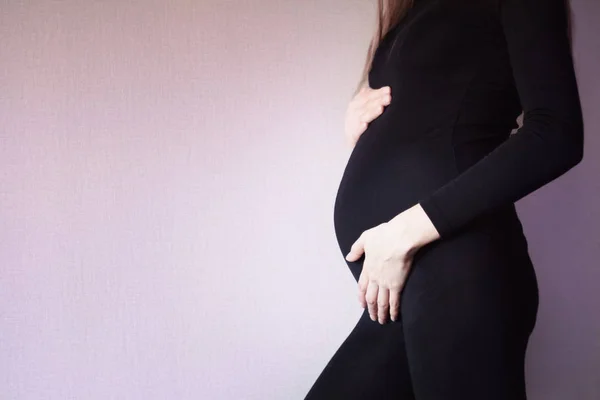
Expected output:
{"points": [[436, 215]]}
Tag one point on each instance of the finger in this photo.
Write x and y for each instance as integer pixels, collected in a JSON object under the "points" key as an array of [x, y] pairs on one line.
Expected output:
{"points": [[362, 127], [371, 298], [362, 97], [357, 248], [386, 91], [383, 304], [385, 99], [363, 283], [376, 93], [367, 93], [382, 93], [366, 102], [371, 112], [380, 99], [374, 108], [394, 304]]}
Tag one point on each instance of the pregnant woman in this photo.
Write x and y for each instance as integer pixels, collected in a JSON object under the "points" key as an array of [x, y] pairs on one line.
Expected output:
{"points": [[425, 214]]}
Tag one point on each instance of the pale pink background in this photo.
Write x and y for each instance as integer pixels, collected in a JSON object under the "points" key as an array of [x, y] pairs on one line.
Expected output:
{"points": [[167, 178]]}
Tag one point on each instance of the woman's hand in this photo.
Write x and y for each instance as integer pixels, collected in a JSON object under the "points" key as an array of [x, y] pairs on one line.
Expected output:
{"points": [[389, 249], [366, 105]]}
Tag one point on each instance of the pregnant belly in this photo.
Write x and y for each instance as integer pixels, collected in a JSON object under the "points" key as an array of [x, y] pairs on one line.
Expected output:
{"points": [[386, 175]]}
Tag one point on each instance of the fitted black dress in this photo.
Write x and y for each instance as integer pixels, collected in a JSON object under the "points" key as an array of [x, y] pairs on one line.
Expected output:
{"points": [[460, 72]]}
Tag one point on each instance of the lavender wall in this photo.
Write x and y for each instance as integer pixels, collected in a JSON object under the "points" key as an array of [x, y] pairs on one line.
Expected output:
{"points": [[167, 177]]}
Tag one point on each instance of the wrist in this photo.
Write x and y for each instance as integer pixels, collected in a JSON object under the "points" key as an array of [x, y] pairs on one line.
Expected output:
{"points": [[419, 228]]}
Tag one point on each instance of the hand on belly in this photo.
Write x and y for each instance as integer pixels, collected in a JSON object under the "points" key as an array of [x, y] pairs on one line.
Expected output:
{"points": [[389, 249], [364, 107]]}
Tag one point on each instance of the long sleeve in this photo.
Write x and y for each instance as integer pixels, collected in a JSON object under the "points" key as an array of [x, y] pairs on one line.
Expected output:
{"points": [[550, 141]]}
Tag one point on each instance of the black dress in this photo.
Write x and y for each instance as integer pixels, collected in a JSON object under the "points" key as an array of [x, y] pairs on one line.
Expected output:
{"points": [[460, 72]]}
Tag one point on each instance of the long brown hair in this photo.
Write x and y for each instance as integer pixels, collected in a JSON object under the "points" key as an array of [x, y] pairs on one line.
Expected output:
{"points": [[389, 13]]}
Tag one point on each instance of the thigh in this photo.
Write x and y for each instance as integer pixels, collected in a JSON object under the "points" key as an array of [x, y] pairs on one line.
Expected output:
{"points": [[468, 308], [370, 364]]}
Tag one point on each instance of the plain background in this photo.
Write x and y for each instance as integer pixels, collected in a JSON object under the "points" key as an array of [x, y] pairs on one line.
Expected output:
{"points": [[167, 178]]}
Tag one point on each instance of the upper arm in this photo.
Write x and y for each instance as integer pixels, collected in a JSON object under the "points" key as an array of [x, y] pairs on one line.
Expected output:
{"points": [[538, 42]]}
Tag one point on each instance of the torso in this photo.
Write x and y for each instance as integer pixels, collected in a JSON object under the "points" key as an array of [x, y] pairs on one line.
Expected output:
{"points": [[453, 100]]}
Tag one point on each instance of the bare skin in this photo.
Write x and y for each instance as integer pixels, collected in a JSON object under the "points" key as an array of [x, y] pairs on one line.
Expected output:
{"points": [[388, 247], [366, 105]]}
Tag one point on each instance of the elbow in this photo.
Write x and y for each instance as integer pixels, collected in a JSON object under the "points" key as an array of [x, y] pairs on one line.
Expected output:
{"points": [[573, 148], [565, 130], [563, 139], [577, 153]]}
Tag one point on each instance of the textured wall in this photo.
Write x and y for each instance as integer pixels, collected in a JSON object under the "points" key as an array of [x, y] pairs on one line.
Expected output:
{"points": [[167, 178]]}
